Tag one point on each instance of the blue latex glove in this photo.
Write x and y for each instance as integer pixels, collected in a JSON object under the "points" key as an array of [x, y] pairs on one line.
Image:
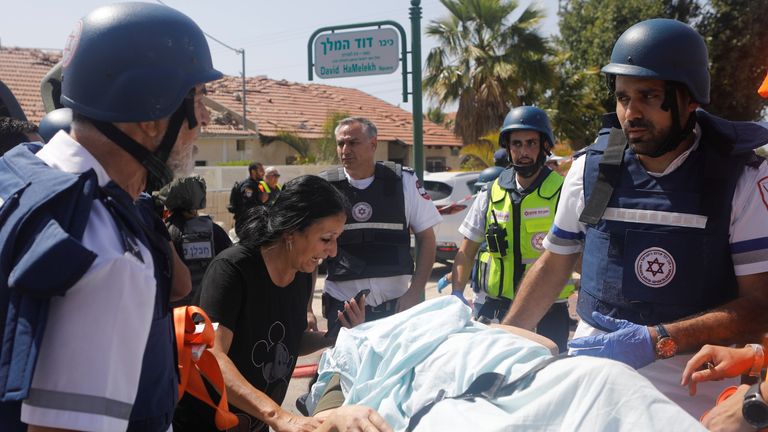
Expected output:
{"points": [[442, 283], [625, 341], [460, 295]]}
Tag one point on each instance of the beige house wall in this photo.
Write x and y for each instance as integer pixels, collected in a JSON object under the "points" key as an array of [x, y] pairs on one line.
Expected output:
{"points": [[219, 182], [404, 152], [275, 153], [452, 161], [215, 150], [220, 179]]}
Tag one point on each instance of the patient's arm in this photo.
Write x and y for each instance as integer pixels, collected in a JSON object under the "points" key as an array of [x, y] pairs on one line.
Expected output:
{"points": [[353, 418], [530, 336], [336, 417]]}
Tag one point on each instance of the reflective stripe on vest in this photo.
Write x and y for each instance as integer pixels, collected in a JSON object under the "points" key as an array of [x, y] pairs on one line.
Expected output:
{"points": [[655, 217], [496, 275]]}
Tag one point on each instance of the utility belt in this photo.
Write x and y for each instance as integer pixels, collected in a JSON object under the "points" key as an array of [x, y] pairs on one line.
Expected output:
{"points": [[496, 308], [493, 310]]}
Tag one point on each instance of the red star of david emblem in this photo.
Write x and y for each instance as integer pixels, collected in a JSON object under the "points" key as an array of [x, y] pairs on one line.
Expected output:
{"points": [[655, 267]]}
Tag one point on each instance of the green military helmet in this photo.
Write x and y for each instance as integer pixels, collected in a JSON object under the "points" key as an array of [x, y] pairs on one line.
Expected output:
{"points": [[184, 193]]}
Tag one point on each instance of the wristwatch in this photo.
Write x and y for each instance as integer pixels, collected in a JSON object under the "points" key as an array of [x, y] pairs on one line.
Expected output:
{"points": [[754, 408], [666, 347]]}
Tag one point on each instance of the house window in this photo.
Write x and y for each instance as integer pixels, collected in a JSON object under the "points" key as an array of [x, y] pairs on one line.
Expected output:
{"points": [[201, 163], [435, 164], [240, 145], [454, 151]]}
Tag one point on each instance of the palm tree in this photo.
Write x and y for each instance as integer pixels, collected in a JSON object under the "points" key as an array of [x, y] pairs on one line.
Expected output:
{"points": [[487, 62]]}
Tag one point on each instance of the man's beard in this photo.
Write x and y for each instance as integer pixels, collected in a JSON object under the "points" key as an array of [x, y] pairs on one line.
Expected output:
{"points": [[181, 161], [527, 168], [652, 139]]}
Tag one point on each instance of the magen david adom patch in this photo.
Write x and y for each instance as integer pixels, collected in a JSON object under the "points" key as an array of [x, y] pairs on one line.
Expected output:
{"points": [[655, 267], [362, 211]]}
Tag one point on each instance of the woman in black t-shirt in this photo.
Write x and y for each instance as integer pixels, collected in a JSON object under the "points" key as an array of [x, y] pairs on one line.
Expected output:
{"points": [[258, 291]]}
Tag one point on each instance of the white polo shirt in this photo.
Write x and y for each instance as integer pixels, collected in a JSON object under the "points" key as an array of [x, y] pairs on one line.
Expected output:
{"points": [[89, 362]]}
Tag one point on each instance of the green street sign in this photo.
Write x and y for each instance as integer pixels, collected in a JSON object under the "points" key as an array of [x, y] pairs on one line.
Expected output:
{"points": [[356, 53], [368, 53]]}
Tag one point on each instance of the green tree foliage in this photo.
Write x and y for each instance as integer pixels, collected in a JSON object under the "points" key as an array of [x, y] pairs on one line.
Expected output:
{"points": [[327, 144], [588, 30], [574, 106], [437, 116], [737, 34], [486, 61], [479, 155], [301, 145], [734, 30]]}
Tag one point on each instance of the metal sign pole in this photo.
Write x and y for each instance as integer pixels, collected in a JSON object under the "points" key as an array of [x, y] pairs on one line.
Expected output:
{"points": [[418, 118]]}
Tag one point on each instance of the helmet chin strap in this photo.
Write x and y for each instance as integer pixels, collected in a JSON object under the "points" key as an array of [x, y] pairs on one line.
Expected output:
{"points": [[528, 170], [158, 173], [678, 133]]}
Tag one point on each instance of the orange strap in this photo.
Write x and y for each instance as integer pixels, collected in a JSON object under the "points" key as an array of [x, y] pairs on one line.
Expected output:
{"points": [[191, 367], [725, 394], [763, 90]]}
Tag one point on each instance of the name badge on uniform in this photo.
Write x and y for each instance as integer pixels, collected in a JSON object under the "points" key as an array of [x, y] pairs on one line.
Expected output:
{"points": [[197, 250], [501, 216], [536, 212]]}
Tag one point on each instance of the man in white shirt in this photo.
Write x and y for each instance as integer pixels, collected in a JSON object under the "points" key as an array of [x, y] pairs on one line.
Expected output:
{"points": [[387, 203], [669, 210], [86, 282]]}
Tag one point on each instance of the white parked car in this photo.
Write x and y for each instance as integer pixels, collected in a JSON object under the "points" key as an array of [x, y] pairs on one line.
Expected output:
{"points": [[452, 194]]}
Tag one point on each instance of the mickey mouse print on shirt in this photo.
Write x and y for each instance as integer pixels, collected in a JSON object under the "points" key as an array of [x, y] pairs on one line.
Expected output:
{"points": [[273, 357]]}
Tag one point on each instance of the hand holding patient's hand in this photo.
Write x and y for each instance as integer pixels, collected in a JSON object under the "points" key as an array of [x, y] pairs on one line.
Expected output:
{"points": [[355, 418]]}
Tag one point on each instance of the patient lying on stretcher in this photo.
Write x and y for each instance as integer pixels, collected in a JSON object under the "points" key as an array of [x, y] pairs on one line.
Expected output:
{"points": [[399, 366]]}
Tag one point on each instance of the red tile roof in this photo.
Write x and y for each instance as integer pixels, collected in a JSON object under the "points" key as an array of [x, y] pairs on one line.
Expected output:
{"points": [[275, 106], [22, 69], [303, 108]]}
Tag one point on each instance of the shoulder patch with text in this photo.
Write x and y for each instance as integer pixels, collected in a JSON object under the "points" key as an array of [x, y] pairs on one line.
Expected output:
{"points": [[423, 192], [762, 184]]}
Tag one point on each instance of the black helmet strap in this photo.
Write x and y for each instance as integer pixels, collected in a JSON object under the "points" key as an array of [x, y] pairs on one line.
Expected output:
{"points": [[678, 133], [158, 173], [527, 171]]}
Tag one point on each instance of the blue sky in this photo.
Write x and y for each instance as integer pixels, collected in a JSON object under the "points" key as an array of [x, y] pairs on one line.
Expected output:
{"points": [[274, 34]]}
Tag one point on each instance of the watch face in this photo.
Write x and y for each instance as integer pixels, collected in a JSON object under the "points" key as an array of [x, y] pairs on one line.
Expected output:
{"points": [[756, 413], [666, 347]]}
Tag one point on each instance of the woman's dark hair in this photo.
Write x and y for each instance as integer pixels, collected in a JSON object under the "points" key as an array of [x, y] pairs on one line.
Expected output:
{"points": [[300, 203]]}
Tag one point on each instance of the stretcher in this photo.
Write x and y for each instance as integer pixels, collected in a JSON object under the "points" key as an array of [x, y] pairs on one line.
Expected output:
{"points": [[434, 353]]}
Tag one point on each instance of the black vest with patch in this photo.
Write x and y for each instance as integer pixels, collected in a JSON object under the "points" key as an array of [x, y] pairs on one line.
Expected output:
{"points": [[376, 241]]}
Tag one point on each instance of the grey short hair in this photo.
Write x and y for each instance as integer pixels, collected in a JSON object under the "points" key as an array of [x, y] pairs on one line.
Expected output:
{"points": [[368, 127]]}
